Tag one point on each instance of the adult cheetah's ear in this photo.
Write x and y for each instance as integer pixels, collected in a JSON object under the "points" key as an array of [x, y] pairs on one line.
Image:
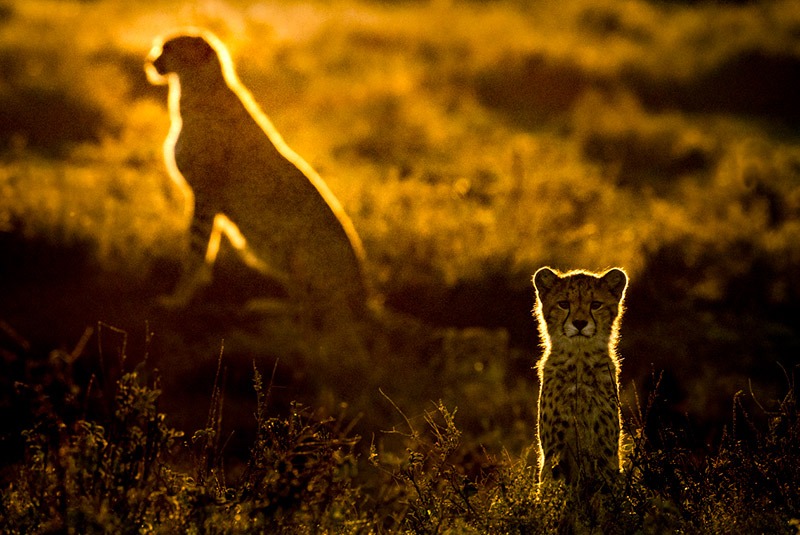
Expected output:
{"points": [[544, 280], [617, 282], [201, 51]]}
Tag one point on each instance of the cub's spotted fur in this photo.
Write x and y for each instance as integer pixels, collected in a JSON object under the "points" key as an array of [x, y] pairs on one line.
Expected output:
{"points": [[579, 418]]}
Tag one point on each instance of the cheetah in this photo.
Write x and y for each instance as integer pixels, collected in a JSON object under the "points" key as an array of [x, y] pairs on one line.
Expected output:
{"points": [[245, 184], [579, 422]]}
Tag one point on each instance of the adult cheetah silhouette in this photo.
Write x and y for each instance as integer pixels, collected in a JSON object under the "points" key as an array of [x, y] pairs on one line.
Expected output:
{"points": [[246, 184]]}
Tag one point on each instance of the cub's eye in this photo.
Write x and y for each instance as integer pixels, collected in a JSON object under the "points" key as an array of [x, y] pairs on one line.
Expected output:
{"points": [[563, 304], [596, 305]]}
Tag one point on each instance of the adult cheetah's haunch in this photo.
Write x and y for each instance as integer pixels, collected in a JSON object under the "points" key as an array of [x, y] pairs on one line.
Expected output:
{"points": [[579, 417], [248, 185]]}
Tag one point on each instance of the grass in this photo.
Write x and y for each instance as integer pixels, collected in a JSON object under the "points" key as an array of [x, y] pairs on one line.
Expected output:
{"points": [[129, 471], [471, 143]]}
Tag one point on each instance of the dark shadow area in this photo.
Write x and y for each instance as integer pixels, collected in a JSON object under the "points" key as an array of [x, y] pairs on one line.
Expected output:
{"points": [[48, 120], [67, 322], [751, 83], [6, 12], [535, 88], [711, 348], [70, 327], [499, 300], [652, 161]]}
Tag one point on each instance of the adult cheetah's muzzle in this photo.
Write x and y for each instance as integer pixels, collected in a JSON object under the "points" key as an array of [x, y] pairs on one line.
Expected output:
{"points": [[159, 65]]}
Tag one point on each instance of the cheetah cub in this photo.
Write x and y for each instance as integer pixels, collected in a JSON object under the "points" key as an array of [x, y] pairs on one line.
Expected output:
{"points": [[579, 417]]}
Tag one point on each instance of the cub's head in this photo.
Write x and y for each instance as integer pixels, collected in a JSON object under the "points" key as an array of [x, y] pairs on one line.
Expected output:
{"points": [[190, 54], [579, 306]]}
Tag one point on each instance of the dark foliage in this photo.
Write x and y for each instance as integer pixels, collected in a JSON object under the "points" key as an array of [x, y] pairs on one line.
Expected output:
{"points": [[126, 470]]}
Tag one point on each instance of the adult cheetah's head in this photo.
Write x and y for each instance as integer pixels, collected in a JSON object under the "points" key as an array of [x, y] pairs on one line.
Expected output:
{"points": [[186, 54]]}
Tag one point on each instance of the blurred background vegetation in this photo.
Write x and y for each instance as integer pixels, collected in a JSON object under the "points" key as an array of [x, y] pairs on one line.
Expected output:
{"points": [[471, 142]]}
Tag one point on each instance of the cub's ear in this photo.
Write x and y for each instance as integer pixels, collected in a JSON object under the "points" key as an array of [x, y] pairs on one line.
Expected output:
{"points": [[544, 280], [617, 282]]}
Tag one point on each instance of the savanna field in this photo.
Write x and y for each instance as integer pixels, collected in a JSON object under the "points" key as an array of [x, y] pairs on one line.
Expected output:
{"points": [[471, 143]]}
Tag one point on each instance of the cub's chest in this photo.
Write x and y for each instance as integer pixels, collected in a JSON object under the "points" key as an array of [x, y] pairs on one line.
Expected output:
{"points": [[578, 372]]}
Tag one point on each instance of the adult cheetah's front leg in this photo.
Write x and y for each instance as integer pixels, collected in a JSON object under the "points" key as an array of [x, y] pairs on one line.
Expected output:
{"points": [[198, 276]]}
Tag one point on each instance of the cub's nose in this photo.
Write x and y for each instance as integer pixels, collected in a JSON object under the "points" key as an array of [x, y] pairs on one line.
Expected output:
{"points": [[580, 324]]}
